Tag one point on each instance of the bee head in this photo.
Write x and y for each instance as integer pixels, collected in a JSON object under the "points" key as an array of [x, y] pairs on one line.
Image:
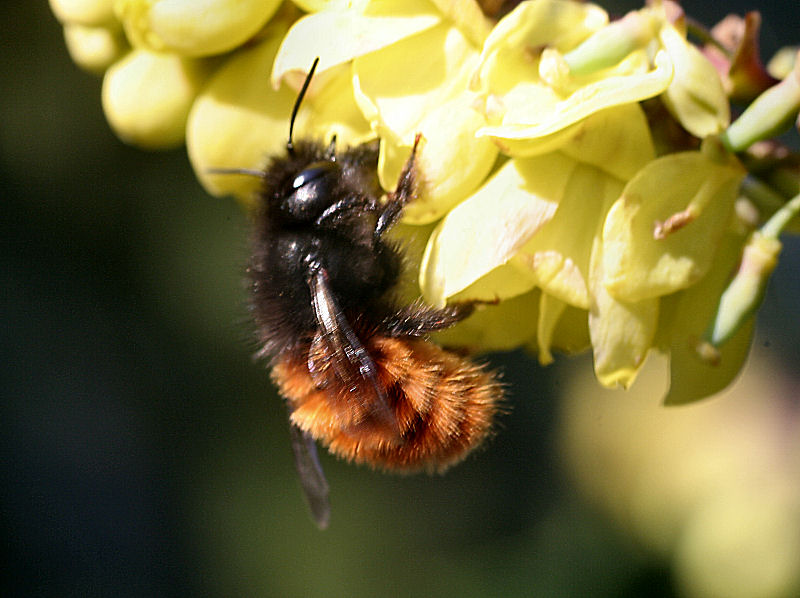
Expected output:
{"points": [[310, 192]]}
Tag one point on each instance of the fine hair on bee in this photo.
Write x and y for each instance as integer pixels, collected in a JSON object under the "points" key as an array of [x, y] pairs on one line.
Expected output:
{"points": [[355, 368]]}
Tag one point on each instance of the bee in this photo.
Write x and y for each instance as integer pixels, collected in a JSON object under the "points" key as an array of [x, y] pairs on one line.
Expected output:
{"points": [[354, 367]]}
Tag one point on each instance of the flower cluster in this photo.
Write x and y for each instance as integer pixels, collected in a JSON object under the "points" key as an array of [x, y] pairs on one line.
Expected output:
{"points": [[579, 174]]}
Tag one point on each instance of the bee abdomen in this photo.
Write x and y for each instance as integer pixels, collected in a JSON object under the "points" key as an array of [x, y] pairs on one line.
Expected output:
{"points": [[443, 405]]}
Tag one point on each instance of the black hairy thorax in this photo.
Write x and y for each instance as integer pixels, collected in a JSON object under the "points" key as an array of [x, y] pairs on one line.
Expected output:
{"points": [[317, 209]]}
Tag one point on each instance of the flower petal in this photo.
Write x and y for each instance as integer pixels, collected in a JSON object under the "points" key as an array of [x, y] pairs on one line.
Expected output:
{"points": [[616, 140], [238, 120], [500, 327], [468, 17], [335, 35], [197, 28], [695, 96], [661, 234], [687, 316], [487, 229], [622, 332], [431, 101], [531, 120], [550, 311], [558, 254], [506, 58], [571, 332], [334, 111], [318, 5]]}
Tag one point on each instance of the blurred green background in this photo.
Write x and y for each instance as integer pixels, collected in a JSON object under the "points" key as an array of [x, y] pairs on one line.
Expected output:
{"points": [[146, 454]]}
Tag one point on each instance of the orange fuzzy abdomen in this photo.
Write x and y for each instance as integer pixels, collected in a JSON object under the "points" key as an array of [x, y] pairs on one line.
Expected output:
{"points": [[443, 405]]}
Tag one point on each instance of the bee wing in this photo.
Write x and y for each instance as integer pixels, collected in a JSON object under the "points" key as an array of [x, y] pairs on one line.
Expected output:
{"points": [[350, 361], [312, 478]]}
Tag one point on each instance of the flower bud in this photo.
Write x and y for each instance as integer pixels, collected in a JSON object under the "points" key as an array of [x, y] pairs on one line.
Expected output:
{"points": [[238, 120], [92, 13], [94, 49], [198, 28], [746, 290], [147, 97], [611, 44], [769, 115], [782, 63]]}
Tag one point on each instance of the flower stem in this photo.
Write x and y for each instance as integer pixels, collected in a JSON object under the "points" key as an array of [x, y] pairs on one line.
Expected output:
{"points": [[767, 199], [701, 32], [773, 227]]}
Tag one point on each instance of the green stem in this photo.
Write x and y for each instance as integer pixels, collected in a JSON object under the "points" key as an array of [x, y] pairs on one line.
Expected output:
{"points": [[767, 199], [775, 225], [701, 32]]}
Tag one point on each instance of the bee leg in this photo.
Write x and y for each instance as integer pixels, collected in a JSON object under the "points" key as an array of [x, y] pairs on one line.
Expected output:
{"points": [[330, 151], [341, 209], [418, 319], [349, 360], [404, 192]]}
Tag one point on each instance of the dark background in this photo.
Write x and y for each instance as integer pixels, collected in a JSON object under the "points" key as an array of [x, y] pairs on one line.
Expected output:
{"points": [[145, 454]]}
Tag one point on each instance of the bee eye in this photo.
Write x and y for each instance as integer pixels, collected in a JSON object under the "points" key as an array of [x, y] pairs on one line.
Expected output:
{"points": [[313, 173], [311, 191]]}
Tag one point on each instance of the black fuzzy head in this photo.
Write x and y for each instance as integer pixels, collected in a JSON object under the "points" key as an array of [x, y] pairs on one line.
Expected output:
{"points": [[299, 186]]}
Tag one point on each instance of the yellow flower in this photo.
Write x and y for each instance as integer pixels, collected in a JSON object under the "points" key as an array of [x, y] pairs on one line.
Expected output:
{"points": [[89, 13], [147, 97], [695, 95], [547, 187], [660, 237], [688, 314], [534, 102], [238, 119], [94, 48], [198, 28]]}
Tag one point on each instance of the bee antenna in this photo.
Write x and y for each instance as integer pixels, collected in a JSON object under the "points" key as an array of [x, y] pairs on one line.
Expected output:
{"points": [[290, 144], [244, 171]]}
